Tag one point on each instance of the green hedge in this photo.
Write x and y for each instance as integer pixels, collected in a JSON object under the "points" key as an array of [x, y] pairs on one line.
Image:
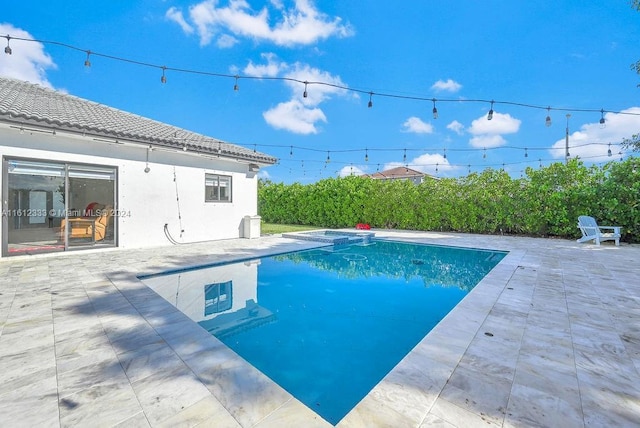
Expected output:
{"points": [[544, 202]]}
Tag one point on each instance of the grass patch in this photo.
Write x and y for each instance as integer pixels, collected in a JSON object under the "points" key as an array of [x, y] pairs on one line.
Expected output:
{"points": [[273, 229]]}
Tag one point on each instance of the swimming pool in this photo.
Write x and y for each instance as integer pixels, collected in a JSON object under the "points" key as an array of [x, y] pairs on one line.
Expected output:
{"points": [[328, 324]]}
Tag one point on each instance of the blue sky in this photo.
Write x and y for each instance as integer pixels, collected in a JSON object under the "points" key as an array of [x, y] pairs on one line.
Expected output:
{"points": [[573, 57]]}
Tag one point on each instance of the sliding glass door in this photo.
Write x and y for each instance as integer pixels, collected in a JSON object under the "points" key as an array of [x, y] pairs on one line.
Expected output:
{"points": [[51, 206]]}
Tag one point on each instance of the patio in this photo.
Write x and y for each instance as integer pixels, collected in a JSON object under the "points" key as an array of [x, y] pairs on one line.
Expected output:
{"points": [[551, 337]]}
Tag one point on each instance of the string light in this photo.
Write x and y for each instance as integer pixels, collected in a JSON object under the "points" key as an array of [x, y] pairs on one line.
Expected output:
{"points": [[87, 63], [304, 94], [609, 150], [445, 153], [366, 155], [484, 153], [163, 79], [328, 157], [490, 115], [235, 85], [370, 100], [435, 110], [291, 151], [526, 155], [289, 79], [404, 157], [547, 121], [602, 121], [8, 50]]}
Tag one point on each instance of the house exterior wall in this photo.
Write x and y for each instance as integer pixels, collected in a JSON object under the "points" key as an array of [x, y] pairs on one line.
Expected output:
{"points": [[148, 201]]}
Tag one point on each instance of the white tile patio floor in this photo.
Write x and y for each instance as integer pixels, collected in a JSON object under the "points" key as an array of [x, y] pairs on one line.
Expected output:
{"points": [[84, 343]]}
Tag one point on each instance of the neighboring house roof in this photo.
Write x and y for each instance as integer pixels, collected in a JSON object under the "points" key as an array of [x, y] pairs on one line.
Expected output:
{"points": [[398, 173], [26, 104]]}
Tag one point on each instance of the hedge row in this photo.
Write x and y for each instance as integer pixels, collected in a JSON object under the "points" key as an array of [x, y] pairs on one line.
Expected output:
{"points": [[544, 202]]}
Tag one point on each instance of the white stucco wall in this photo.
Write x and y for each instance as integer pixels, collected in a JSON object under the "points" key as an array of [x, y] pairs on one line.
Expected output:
{"points": [[148, 201]]}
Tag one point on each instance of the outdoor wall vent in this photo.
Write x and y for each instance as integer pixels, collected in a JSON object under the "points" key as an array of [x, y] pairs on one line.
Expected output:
{"points": [[253, 167]]}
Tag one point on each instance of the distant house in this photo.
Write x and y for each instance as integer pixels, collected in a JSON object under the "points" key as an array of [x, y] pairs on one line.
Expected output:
{"points": [[401, 173], [77, 174]]}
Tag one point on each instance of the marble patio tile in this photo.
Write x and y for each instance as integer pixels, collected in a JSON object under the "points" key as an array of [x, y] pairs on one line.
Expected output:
{"points": [[27, 379], [20, 364], [77, 353], [531, 407], [168, 391], [138, 420], [461, 417], [433, 421], [15, 340], [107, 372], [293, 414], [207, 412], [134, 339], [410, 389], [148, 360], [243, 390], [99, 405], [478, 393], [33, 404]]}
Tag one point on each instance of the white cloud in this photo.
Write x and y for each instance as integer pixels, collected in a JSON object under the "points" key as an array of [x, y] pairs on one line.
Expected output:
{"points": [[351, 170], [417, 126], [271, 69], [226, 41], [301, 24], [446, 86], [488, 133], [295, 117], [175, 15], [28, 61], [299, 114], [428, 163], [591, 141], [487, 141], [456, 127]]}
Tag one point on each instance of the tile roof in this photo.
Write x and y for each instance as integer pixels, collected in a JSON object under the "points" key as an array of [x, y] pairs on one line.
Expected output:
{"points": [[398, 173], [27, 104]]}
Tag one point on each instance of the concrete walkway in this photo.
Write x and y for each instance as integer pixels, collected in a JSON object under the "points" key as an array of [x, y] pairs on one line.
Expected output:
{"points": [[551, 337]]}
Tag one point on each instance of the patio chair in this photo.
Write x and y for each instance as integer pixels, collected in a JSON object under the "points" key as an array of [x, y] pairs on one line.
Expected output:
{"points": [[88, 228], [592, 232]]}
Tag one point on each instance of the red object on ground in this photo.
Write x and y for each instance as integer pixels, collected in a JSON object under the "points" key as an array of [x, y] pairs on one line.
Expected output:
{"points": [[363, 226]]}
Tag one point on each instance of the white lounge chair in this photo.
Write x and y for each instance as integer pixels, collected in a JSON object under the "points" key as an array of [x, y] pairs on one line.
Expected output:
{"points": [[591, 231]]}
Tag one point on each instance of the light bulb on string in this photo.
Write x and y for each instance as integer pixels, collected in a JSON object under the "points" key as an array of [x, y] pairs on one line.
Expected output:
{"points": [[7, 49], [435, 110], [609, 151], [328, 158], [235, 85], [87, 62], [366, 155], [370, 100], [602, 121], [540, 160], [526, 155], [484, 153], [304, 94], [404, 157], [490, 114], [163, 79], [547, 121], [445, 153], [436, 167], [291, 151]]}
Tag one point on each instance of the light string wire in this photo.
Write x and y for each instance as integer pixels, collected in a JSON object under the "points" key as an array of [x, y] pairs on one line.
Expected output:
{"points": [[306, 83], [165, 68]]}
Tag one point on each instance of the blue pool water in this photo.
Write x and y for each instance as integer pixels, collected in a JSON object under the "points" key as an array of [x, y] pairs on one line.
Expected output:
{"points": [[328, 324]]}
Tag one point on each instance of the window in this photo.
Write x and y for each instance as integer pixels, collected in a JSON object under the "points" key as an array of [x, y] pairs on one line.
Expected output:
{"points": [[217, 297], [217, 188]]}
